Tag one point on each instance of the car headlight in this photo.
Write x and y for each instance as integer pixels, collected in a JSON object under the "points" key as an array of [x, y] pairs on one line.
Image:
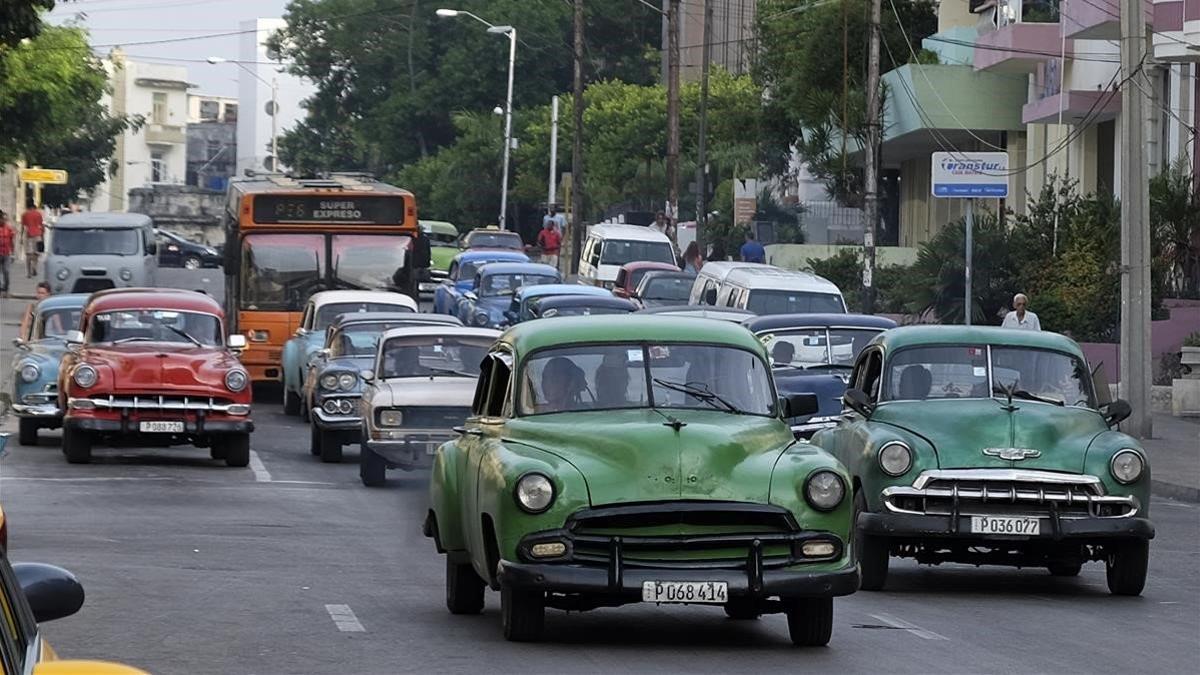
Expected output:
{"points": [[535, 492], [346, 381], [481, 319], [824, 490], [895, 458], [84, 376], [1127, 466], [126, 274], [62, 274], [235, 380], [391, 418], [329, 381], [210, 251], [330, 406], [30, 372]]}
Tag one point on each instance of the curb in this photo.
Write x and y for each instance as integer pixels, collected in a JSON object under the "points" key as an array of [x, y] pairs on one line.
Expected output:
{"points": [[1183, 493]]}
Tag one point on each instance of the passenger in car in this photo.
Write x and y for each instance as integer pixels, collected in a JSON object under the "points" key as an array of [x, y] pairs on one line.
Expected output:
{"points": [[915, 383]]}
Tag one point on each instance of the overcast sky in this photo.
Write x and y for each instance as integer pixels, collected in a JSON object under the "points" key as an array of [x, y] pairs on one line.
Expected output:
{"points": [[129, 22]]}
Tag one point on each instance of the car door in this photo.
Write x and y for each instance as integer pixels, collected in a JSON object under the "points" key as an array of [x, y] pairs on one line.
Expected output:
{"points": [[482, 440], [169, 253], [850, 437]]}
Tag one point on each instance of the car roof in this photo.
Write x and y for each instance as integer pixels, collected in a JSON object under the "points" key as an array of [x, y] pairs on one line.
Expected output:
{"points": [[610, 301], [439, 331], [631, 232], [911, 336], [322, 298], [66, 300], [498, 255], [439, 226], [720, 269], [651, 264], [526, 292], [153, 298], [532, 335], [518, 268], [351, 318], [776, 278], [759, 324], [701, 311], [94, 219], [667, 274], [495, 230]]}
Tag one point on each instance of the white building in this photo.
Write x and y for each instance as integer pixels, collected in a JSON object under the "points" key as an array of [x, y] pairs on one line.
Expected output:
{"points": [[209, 108], [256, 74], [156, 152]]}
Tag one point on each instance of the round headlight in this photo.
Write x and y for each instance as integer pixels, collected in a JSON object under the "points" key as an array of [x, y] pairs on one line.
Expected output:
{"points": [[30, 372], [824, 490], [346, 381], [84, 376], [895, 458], [329, 381], [535, 492], [481, 319], [1127, 466], [345, 406], [330, 406], [126, 274], [62, 274], [235, 380]]}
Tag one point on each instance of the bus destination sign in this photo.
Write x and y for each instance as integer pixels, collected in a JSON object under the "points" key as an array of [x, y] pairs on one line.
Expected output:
{"points": [[373, 210]]}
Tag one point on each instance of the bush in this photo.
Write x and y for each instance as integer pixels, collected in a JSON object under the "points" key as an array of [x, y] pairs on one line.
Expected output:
{"points": [[844, 269], [1192, 340]]}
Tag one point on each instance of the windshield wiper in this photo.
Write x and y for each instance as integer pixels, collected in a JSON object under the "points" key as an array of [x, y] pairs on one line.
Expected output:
{"points": [[701, 393], [134, 338], [450, 371], [1024, 395], [815, 366], [181, 332]]}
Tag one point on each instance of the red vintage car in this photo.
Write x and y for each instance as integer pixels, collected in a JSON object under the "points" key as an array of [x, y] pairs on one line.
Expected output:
{"points": [[631, 274], [152, 367]]}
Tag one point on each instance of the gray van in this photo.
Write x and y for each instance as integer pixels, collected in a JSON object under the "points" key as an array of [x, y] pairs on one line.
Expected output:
{"points": [[88, 252]]}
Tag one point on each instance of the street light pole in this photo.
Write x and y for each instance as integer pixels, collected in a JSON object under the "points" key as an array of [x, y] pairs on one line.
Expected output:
{"points": [[274, 85]]}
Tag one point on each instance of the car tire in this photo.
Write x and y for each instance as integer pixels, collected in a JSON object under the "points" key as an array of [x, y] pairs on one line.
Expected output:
{"points": [[372, 469], [237, 450], [872, 552], [522, 613], [314, 441], [744, 609], [1065, 569], [1126, 567], [305, 410], [27, 431], [192, 263], [464, 588], [77, 446], [810, 621], [330, 450], [291, 403], [218, 450]]}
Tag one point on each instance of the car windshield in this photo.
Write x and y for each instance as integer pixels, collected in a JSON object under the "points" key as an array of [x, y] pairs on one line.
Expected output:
{"points": [[432, 356], [817, 347], [328, 312], [772, 301], [504, 284], [637, 375], [280, 271], [54, 323], [367, 261], [96, 241], [497, 239], [961, 371], [359, 339], [667, 288], [156, 325], [621, 251]]}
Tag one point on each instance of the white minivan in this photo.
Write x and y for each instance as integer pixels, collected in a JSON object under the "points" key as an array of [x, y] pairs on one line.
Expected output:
{"points": [[712, 275], [769, 290], [608, 246]]}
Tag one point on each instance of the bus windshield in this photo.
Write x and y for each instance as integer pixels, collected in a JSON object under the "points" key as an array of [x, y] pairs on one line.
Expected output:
{"points": [[280, 271], [367, 261]]}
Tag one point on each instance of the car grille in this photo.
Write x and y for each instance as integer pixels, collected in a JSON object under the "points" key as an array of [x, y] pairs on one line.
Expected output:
{"points": [[91, 285], [434, 417], [1002, 492], [155, 402]]}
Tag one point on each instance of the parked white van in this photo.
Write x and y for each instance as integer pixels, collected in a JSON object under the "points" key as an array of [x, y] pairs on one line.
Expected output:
{"points": [[608, 246], [765, 290], [712, 275]]}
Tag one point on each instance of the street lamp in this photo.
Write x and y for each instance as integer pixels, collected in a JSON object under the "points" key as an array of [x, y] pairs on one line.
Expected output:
{"points": [[274, 85], [512, 59]]}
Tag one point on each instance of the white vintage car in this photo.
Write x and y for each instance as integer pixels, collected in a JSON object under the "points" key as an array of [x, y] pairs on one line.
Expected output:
{"points": [[420, 388]]}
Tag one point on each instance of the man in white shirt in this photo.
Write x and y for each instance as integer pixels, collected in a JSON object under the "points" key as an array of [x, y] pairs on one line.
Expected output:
{"points": [[1020, 318]]}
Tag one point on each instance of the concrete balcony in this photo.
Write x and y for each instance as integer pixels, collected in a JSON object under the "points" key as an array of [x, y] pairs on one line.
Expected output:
{"points": [[1018, 47], [1096, 20], [1177, 29], [1096, 106], [165, 134]]}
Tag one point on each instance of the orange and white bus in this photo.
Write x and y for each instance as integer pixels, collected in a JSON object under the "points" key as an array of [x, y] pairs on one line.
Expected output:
{"points": [[288, 237]]}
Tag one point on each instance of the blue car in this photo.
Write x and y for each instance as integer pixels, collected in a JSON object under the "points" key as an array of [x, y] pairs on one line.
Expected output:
{"points": [[550, 306], [520, 308], [40, 347], [495, 285], [461, 277], [814, 354]]}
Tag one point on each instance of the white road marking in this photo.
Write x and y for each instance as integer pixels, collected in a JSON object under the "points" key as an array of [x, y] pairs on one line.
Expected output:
{"points": [[90, 479], [344, 618], [261, 474], [912, 628]]}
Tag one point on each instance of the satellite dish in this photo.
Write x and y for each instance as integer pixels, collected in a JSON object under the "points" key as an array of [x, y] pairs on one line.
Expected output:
{"points": [[271, 108]]}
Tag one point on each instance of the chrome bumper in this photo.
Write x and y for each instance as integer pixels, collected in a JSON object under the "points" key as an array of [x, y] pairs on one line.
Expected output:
{"points": [[404, 441], [37, 410], [1043, 490], [150, 403], [335, 421]]}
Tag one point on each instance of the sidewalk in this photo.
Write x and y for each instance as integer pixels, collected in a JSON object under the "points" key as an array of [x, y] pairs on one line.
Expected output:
{"points": [[21, 288], [1174, 455]]}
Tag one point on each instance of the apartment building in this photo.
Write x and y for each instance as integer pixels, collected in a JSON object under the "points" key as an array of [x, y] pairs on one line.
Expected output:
{"points": [[211, 141]]}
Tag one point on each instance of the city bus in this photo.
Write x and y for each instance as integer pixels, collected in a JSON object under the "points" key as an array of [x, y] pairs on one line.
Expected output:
{"points": [[289, 237]]}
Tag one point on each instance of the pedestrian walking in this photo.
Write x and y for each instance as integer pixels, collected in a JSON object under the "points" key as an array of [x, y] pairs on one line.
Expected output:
{"points": [[550, 241], [32, 227], [8, 238], [752, 251], [692, 260], [1021, 318]]}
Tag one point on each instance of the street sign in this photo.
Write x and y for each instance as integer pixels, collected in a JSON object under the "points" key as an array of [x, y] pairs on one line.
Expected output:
{"points": [[745, 200], [970, 174], [51, 176]]}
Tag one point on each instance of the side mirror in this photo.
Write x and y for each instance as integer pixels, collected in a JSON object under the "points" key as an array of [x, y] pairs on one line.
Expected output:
{"points": [[74, 337], [301, 332], [1116, 412], [18, 343], [710, 296], [857, 400], [798, 405], [236, 342], [470, 295], [367, 375], [152, 249], [52, 591]]}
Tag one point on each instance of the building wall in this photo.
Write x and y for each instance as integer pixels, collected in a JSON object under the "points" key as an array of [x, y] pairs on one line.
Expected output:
{"points": [[732, 36], [254, 93], [192, 212], [226, 108], [211, 154]]}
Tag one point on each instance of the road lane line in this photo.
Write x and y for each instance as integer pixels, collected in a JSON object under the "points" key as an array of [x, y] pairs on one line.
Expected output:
{"points": [[343, 617], [261, 474], [911, 628]]}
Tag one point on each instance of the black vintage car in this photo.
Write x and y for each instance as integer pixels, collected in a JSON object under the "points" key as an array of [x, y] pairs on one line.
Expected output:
{"points": [[175, 251]]}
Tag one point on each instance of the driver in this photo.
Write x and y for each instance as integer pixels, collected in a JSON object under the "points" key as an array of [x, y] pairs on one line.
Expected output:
{"points": [[783, 353], [562, 384], [405, 361]]}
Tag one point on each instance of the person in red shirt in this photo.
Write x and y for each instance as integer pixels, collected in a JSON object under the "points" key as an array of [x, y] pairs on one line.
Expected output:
{"points": [[7, 248], [31, 229], [550, 241]]}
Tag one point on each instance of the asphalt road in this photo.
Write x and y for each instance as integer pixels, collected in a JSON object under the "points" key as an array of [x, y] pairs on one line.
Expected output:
{"points": [[192, 567]]}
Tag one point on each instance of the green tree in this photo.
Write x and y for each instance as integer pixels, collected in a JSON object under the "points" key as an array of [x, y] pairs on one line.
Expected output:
{"points": [[1175, 230], [20, 19], [461, 182]]}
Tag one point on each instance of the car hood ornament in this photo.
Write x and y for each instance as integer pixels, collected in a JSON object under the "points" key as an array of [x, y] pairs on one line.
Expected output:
{"points": [[1013, 454]]}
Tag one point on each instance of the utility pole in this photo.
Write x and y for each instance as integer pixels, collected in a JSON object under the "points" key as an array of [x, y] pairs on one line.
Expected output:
{"points": [[1135, 218], [702, 163], [576, 230], [871, 177], [673, 113], [553, 186]]}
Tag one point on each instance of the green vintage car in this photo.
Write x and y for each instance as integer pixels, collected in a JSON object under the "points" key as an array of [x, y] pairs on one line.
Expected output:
{"points": [[641, 460], [443, 246], [990, 446]]}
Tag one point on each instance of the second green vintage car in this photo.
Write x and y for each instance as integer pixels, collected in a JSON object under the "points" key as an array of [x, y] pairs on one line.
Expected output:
{"points": [[991, 446], [641, 460]]}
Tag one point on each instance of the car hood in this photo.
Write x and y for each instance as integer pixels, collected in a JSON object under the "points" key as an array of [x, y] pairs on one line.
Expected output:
{"points": [[961, 429], [45, 351], [828, 385], [636, 456], [424, 391], [154, 367]]}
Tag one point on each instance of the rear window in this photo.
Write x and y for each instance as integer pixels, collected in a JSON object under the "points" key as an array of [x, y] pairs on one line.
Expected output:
{"points": [[767, 301], [621, 251]]}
